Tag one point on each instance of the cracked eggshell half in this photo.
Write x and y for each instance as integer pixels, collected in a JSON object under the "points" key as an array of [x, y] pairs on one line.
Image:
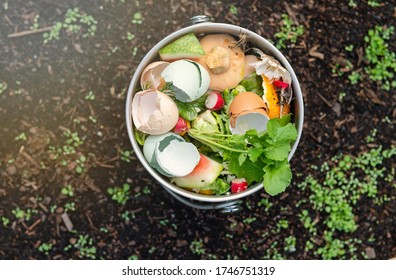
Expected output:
{"points": [[189, 79], [170, 154], [151, 76], [248, 111], [153, 112]]}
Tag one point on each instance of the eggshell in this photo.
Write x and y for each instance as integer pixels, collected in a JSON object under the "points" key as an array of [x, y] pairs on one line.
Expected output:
{"points": [[248, 111], [170, 154], [246, 101], [153, 112], [189, 78], [151, 76], [250, 61], [256, 119]]}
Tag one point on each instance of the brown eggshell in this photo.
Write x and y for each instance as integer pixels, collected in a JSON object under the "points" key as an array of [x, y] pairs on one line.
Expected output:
{"points": [[151, 75], [233, 118], [246, 101]]}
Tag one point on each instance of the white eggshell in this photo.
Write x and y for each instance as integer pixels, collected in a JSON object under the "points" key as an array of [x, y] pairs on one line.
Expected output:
{"points": [[170, 155], [151, 75], [153, 112], [249, 121], [178, 158], [188, 76]]}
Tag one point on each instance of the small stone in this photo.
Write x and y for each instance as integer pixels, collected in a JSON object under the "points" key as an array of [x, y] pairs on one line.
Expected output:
{"points": [[370, 252]]}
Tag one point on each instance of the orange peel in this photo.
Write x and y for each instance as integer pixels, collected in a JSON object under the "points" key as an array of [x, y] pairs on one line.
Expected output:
{"points": [[271, 98]]}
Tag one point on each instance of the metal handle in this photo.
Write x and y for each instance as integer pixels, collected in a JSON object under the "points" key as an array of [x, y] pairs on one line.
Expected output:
{"points": [[226, 207], [201, 19]]}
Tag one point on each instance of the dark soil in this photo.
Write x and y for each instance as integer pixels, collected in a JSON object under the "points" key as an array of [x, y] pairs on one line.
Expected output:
{"points": [[47, 94]]}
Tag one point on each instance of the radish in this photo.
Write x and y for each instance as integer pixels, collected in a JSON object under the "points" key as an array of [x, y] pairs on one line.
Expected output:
{"points": [[214, 101], [280, 84], [238, 185], [181, 126]]}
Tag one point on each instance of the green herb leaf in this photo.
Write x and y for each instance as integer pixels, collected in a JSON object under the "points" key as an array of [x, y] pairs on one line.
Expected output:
{"points": [[277, 151], [252, 172], [277, 177]]}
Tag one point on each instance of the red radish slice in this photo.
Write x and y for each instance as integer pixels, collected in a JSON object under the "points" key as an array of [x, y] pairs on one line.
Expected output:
{"points": [[238, 185], [214, 101], [182, 126], [280, 84]]}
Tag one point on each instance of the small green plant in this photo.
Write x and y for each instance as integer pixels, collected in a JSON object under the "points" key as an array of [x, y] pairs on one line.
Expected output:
{"points": [[120, 195], [90, 96], [45, 248], [289, 32], [290, 244], [75, 22], [146, 190], [70, 206], [197, 247], [68, 190], [264, 202], [341, 96], [249, 220], [18, 213], [21, 137], [3, 87], [371, 137], [382, 62], [373, 3], [130, 36], [128, 215], [80, 168], [5, 221], [133, 257], [349, 48], [333, 249], [308, 223], [352, 4], [340, 189], [84, 245], [126, 155], [354, 77], [282, 224], [35, 24], [233, 10], [137, 18]]}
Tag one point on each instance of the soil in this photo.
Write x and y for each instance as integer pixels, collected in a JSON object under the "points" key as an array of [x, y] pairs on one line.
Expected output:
{"points": [[78, 84]]}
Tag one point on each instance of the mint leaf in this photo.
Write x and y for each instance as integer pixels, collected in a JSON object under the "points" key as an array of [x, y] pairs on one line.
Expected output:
{"points": [[277, 177]]}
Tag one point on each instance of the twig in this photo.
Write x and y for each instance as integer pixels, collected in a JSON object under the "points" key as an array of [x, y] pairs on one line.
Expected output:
{"points": [[29, 32]]}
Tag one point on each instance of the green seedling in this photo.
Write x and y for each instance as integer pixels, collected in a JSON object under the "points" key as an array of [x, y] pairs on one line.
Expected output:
{"points": [[68, 190], [121, 195], [289, 32], [197, 247]]}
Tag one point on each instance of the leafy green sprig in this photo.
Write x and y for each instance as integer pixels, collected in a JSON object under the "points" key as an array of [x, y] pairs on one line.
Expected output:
{"points": [[256, 156]]}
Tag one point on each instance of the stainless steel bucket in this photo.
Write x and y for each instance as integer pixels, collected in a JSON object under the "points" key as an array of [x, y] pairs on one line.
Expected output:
{"points": [[202, 25]]}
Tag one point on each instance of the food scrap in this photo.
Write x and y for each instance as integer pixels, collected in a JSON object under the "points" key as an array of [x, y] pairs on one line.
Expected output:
{"points": [[216, 116]]}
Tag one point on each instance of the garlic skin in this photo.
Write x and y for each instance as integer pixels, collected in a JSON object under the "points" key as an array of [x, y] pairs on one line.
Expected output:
{"points": [[271, 68], [153, 112]]}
